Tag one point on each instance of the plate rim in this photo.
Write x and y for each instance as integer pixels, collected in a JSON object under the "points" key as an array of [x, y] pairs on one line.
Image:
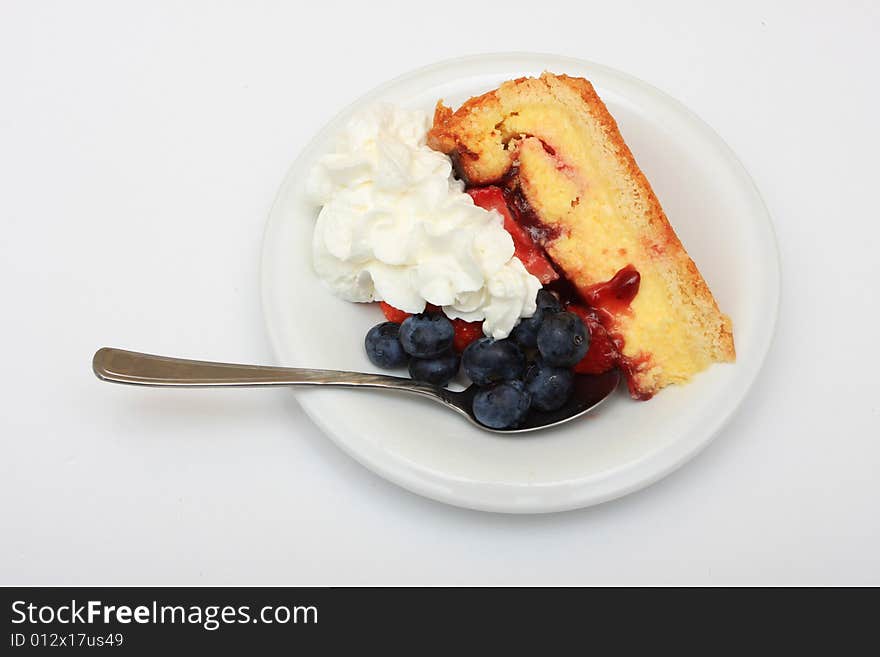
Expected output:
{"points": [[594, 489]]}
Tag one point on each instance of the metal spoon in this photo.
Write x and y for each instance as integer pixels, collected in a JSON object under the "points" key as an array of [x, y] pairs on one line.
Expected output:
{"points": [[120, 366]]}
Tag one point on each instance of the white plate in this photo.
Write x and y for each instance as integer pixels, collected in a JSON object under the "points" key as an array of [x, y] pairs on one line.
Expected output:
{"points": [[716, 211]]}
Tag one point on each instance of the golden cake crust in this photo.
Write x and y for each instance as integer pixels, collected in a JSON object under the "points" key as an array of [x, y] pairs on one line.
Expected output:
{"points": [[568, 149]]}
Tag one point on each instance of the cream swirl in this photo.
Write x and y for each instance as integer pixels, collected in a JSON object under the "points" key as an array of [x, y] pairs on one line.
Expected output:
{"points": [[396, 226]]}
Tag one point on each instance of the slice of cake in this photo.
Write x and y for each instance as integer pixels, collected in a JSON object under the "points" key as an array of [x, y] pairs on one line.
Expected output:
{"points": [[572, 182]]}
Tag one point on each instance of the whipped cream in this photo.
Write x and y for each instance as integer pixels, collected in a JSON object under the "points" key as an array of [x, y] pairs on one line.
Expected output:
{"points": [[396, 226]]}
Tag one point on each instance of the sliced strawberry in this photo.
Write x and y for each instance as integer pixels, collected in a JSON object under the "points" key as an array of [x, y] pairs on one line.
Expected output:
{"points": [[529, 253], [465, 333], [603, 354], [392, 314]]}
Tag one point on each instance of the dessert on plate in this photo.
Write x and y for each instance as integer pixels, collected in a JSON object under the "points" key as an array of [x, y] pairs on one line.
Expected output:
{"points": [[517, 239]]}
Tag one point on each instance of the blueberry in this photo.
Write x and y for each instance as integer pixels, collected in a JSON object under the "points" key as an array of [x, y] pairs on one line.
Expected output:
{"points": [[526, 332], [547, 302], [437, 371], [426, 335], [383, 346], [549, 386], [563, 339], [502, 406], [487, 360]]}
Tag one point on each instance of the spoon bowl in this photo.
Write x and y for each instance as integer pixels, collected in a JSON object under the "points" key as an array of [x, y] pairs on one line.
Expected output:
{"points": [[134, 368]]}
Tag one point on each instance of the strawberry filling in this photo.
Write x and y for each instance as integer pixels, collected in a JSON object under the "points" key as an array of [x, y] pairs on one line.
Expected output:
{"points": [[603, 354], [614, 296], [524, 248], [465, 333], [392, 314]]}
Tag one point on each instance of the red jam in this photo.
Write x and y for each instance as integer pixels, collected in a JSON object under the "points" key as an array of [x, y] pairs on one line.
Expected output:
{"points": [[615, 295], [611, 299], [530, 254], [392, 314], [523, 212], [631, 365], [465, 333]]}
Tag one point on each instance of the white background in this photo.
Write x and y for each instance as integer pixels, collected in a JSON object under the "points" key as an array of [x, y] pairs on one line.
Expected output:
{"points": [[141, 146]]}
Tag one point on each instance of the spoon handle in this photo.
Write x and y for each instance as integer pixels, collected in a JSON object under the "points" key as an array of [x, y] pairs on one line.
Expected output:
{"points": [[120, 366]]}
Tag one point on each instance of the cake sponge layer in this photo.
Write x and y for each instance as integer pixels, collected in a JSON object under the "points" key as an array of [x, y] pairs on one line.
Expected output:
{"points": [[555, 135]]}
